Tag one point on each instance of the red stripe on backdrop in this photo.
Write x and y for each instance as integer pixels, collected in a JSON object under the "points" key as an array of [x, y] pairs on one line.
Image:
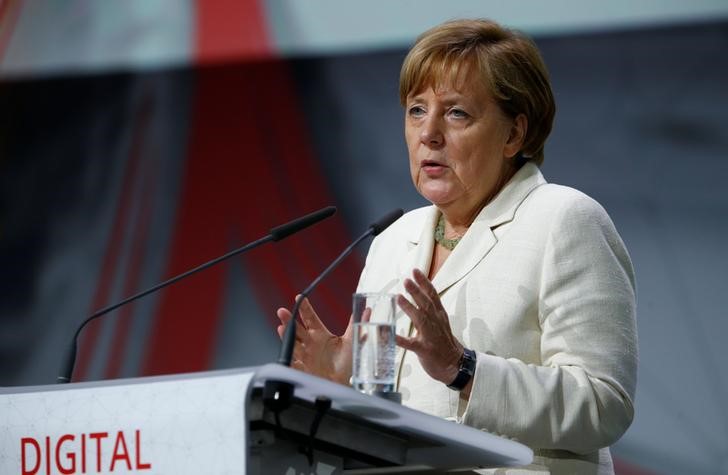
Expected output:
{"points": [[230, 29], [123, 319], [249, 168], [301, 180], [182, 335], [9, 13], [89, 338], [291, 190], [220, 172]]}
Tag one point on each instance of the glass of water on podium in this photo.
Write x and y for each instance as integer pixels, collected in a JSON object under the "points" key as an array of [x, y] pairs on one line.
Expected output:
{"points": [[373, 365]]}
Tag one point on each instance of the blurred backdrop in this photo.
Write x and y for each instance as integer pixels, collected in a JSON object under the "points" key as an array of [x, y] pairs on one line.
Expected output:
{"points": [[143, 137]]}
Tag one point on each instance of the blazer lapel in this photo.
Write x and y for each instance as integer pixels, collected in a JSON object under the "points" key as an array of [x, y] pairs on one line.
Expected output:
{"points": [[421, 241], [480, 239], [471, 249]]}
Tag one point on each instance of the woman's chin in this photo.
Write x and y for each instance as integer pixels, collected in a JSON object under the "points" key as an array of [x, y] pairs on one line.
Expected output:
{"points": [[437, 196]]}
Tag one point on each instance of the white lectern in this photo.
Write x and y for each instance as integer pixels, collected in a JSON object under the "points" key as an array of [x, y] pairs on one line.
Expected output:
{"points": [[217, 423]]}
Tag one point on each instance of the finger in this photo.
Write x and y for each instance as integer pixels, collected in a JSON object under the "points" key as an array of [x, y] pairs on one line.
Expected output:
{"points": [[281, 330], [299, 317], [284, 315], [366, 315], [309, 317], [424, 294], [410, 344], [421, 299], [349, 328], [426, 285], [411, 311]]}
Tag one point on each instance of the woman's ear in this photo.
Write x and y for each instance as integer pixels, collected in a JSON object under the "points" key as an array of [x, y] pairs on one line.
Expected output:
{"points": [[517, 136]]}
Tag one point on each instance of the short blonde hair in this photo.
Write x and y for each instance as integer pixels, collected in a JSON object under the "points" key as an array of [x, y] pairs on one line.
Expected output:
{"points": [[508, 61]]}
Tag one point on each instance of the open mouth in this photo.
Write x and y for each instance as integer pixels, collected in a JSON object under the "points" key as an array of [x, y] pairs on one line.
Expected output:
{"points": [[432, 164], [433, 169]]}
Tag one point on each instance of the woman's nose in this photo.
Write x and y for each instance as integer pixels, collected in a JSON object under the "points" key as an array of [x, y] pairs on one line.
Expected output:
{"points": [[431, 134]]}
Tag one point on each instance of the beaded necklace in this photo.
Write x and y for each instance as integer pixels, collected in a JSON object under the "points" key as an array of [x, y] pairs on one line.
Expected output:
{"points": [[440, 238]]}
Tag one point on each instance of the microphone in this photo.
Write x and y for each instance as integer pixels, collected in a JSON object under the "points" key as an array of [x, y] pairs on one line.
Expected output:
{"points": [[275, 234], [289, 337]]}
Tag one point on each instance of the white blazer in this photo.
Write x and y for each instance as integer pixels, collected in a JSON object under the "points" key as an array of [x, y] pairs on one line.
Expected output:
{"points": [[542, 288]]}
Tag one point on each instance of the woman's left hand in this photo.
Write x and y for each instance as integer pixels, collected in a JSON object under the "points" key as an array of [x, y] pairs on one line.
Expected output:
{"points": [[434, 344]]}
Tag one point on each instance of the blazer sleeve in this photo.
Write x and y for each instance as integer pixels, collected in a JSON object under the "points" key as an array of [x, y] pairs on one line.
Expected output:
{"points": [[580, 398]]}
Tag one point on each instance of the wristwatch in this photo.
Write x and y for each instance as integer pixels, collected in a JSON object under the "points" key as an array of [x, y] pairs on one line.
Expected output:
{"points": [[466, 370]]}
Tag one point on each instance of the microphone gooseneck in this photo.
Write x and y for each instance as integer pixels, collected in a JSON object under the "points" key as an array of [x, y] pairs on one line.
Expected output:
{"points": [[385, 221], [275, 234], [298, 224], [289, 336]]}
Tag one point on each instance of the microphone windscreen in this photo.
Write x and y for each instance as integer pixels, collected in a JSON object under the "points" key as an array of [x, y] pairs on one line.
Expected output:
{"points": [[285, 230], [384, 222]]}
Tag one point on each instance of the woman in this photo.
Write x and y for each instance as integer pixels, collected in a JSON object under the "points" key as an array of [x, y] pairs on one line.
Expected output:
{"points": [[517, 296]]}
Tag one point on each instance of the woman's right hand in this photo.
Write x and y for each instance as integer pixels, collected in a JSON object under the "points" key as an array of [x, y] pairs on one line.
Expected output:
{"points": [[318, 351]]}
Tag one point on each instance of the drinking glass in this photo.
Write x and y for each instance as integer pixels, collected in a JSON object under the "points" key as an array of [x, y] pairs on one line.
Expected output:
{"points": [[373, 367]]}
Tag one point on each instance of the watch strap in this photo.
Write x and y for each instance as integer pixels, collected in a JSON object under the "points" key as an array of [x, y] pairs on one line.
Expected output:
{"points": [[466, 370]]}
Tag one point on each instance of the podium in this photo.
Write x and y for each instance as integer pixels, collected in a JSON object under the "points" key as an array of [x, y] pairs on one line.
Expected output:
{"points": [[223, 422]]}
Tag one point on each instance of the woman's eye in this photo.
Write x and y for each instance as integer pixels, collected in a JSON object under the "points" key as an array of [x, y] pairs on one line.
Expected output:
{"points": [[458, 113], [416, 111]]}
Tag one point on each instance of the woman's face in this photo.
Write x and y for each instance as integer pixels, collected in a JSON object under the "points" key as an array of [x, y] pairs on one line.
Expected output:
{"points": [[459, 142]]}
